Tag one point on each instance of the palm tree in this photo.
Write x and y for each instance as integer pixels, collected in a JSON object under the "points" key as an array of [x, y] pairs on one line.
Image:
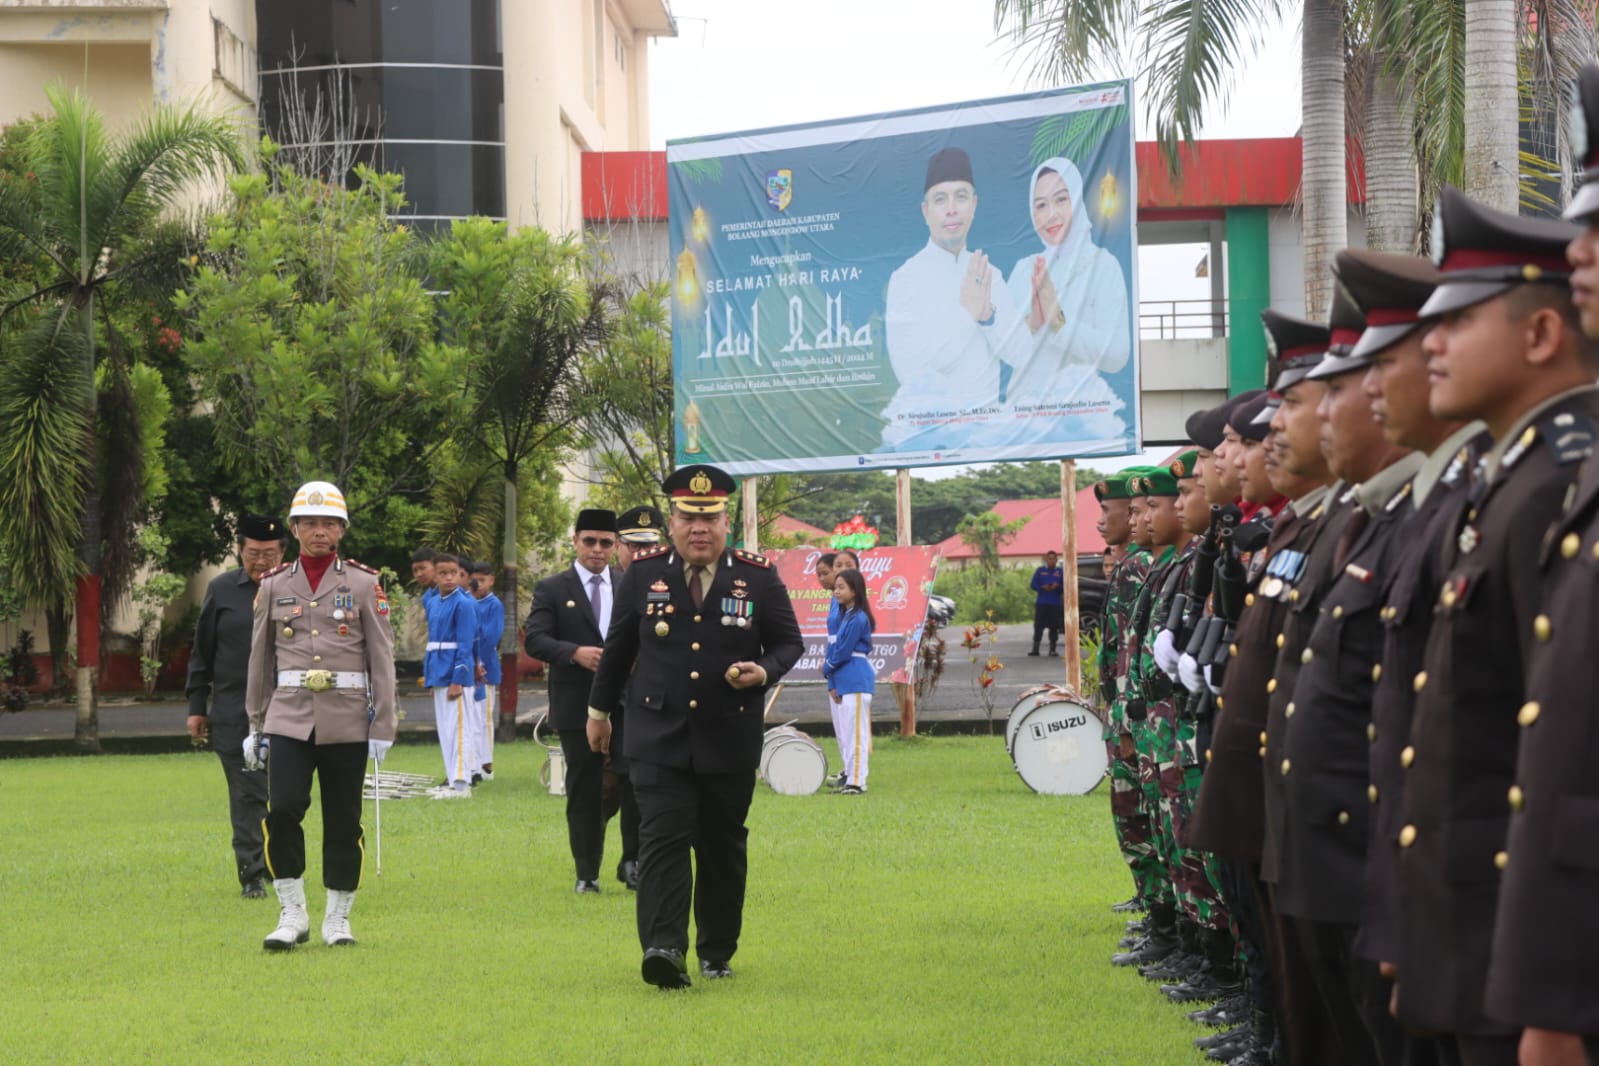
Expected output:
{"points": [[1492, 133], [1323, 150], [96, 202]]}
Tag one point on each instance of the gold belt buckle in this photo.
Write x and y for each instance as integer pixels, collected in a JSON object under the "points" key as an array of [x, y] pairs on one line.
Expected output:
{"points": [[319, 680]]}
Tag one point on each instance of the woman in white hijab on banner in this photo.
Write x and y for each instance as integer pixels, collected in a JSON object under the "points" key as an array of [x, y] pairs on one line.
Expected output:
{"points": [[1076, 311]]}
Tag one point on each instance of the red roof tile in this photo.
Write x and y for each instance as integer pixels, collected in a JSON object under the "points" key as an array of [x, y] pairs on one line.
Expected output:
{"points": [[1042, 532]]}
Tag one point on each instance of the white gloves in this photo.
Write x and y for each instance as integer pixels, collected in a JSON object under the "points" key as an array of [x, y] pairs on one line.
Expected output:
{"points": [[1166, 653], [377, 749], [1215, 689], [255, 749], [1188, 668]]}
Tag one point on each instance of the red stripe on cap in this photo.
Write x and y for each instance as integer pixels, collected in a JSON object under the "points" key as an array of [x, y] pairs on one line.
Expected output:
{"points": [[1295, 353], [1392, 316], [1477, 259], [1345, 337]]}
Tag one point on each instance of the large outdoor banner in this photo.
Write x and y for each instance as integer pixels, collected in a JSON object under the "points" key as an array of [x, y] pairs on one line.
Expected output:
{"points": [[898, 581], [949, 285]]}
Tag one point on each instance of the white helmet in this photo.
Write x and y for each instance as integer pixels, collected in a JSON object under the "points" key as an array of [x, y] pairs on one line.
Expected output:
{"points": [[319, 498]]}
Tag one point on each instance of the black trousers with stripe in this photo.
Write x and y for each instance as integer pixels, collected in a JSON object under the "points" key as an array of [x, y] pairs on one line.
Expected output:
{"points": [[339, 768]]}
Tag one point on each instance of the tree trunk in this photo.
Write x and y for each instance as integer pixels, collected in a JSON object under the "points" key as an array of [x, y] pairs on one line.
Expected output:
{"points": [[1391, 172], [86, 728], [1322, 184], [505, 729], [1492, 165], [58, 623]]}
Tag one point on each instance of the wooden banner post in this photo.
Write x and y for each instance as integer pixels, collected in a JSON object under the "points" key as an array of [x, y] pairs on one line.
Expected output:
{"points": [[904, 695], [1068, 514]]}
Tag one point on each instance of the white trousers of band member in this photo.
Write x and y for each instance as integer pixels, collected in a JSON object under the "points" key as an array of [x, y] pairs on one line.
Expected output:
{"points": [[852, 725], [456, 719], [483, 724]]}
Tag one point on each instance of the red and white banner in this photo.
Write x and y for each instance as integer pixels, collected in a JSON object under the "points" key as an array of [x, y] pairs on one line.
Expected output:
{"points": [[898, 581]]}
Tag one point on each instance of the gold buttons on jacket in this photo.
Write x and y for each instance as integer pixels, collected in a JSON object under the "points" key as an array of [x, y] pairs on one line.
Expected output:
{"points": [[1338, 612], [696, 618], [1420, 681], [1447, 596], [1286, 766], [1262, 753], [1516, 798], [1288, 711], [1306, 655], [316, 632], [1371, 732], [693, 704], [1501, 860], [1207, 755], [1232, 651], [1542, 628], [1376, 673], [1282, 638], [1569, 545], [1407, 756], [1293, 595], [1407, 836], [313, 603], [1271, 686], [1371, 793], [1263, 736], [693, 675], [1528, 714], [316, 658], [287, 631], [694, 646], [1249, 600], [1343, 817]]}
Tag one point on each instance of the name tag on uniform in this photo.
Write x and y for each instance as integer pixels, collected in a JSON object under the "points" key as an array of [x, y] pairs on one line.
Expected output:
{"points": [[287, 601], [659, 592]]}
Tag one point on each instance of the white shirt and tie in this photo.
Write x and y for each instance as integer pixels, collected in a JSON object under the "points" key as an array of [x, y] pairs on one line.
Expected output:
{"points": [[598, 588]]}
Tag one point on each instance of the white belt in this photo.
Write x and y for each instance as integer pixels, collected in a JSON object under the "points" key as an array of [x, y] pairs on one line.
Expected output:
{"points": [[448, 645], [327, 679]]}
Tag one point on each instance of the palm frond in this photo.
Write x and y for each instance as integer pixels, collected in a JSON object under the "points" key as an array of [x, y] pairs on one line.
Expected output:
{"points": [[43, 467], [1060, 41], [70, 154]]}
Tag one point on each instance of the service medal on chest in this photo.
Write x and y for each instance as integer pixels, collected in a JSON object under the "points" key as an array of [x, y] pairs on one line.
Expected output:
{"points": [[661, 629], [1468, 539]]}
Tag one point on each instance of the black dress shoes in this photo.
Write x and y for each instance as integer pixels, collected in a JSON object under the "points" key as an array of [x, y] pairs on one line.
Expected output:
{"points": [[712, 969], [664, 968], [253, 889], [627, 873], [585, 887]]}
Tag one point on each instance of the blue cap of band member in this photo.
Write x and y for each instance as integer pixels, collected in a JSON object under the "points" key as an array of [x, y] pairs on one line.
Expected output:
{"points": [[699, 489]]}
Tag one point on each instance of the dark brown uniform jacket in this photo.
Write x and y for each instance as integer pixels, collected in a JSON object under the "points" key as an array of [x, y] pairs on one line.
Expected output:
{"points": [[1545, 969], [1304, 597], [1325, 823], [1465, 735], [1406, 615]]}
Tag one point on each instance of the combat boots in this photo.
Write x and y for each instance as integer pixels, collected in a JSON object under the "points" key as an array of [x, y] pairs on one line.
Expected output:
{"points": [[1218, 978], [1180, 963], [1160, 941], [294, 925], [336, 923]]}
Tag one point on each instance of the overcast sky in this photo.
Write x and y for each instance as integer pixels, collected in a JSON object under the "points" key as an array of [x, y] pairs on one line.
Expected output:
{"points": [[741, 64]]}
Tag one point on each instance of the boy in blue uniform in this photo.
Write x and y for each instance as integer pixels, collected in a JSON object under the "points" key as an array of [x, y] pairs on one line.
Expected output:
{"points": [[490, 628], [448, 669]]}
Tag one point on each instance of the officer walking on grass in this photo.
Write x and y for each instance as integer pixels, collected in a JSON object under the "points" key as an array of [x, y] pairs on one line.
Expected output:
{"points": [[321, 691], [218, 668], [702, 631]]}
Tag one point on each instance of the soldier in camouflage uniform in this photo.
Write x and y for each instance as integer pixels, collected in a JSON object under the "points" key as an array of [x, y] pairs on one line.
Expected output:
{"points": [[1132, 826]]}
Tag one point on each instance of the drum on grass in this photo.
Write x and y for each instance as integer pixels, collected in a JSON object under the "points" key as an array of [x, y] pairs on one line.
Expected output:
{"points": [[1029, 699], [792, 764], [1056, 743]]}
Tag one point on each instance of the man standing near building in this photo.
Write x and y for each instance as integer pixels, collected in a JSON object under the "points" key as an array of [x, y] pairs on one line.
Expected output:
{"points": [[566, 629], [1049, 602], [702, 632], [321, 690], [218, 672]]}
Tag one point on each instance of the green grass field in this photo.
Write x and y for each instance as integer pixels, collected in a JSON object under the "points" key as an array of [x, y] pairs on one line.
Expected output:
{"points": [[949, 916]]}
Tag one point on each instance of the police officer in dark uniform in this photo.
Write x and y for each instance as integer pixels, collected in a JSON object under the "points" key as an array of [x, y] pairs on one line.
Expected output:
{"points": [[1323, 839], [218, 671], [1544, 974], [1390, 290], [637, 530], [1507, 349], [702, 631]]}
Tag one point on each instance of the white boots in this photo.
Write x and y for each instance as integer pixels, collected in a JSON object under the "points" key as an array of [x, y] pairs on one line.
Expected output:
{"points": [[294, 925], [336, 924]]}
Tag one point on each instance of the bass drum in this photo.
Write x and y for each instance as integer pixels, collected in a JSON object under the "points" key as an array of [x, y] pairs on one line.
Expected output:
{"points": [[792, 764], [1026, 702], [1057, 744]]}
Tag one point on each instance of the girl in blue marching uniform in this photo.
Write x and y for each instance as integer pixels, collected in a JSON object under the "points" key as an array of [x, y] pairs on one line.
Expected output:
{"points": [[850, 677]]}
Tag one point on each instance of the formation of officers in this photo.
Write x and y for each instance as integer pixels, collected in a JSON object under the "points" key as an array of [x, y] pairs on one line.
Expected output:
{"points": [[1348, 667]]}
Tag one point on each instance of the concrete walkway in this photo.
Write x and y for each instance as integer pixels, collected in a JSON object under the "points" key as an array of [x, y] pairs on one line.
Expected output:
{"points": [[130, 725]]}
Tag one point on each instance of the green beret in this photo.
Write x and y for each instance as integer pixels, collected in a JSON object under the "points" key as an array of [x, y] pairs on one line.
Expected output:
{"points": [[1112, 487], [1158, 482], [1185, 465]]}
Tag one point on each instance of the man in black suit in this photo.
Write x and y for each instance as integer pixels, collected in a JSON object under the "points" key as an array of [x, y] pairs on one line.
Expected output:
{"points": [[702, 631], [566, 629]]}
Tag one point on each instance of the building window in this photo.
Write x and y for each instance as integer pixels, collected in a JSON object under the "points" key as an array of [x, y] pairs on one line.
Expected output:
{"points": [[621, 51]]}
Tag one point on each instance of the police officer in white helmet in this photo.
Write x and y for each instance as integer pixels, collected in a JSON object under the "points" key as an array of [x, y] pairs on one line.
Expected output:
{"points": [[321, 655]]}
